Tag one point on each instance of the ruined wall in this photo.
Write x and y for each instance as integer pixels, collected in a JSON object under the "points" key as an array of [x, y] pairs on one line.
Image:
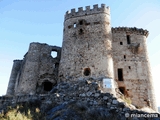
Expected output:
{"points": [[14, 74], [87, 53], [87, 44], [87, 96], [39, 70], [130, 55]]}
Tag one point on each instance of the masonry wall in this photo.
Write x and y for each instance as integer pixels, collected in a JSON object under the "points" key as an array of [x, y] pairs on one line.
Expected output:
{"points": [[87, 44], [13, 77], [90, 50], [131, 56], [39, 68]]}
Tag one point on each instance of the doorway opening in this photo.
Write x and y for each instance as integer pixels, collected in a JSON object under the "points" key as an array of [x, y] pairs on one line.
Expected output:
{"points": [[128, 39], [120, 74], [47, 86], [122, 90]]}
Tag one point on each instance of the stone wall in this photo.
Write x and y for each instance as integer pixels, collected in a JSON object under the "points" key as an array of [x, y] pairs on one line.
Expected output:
{"points": [[86, 93], [38, 69], [87, 44], [87, 11], [130, 55], [13, 77], [88, 90], [90, 49]]}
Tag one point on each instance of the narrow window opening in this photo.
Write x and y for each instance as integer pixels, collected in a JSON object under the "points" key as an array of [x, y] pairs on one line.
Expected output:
{"points": [[56, 65], [129, 67], [47, 86], [69, 26], [87, 71], [81, 22], [122, 90], [87, 23], [81, 31], [96, 23], [74, 25], [128, 39], [124, 56], [120, 74], [54, 54], [121, 43]]}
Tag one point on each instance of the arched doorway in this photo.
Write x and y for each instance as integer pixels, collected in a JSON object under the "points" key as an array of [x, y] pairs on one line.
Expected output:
{"points": [[47, 86]]}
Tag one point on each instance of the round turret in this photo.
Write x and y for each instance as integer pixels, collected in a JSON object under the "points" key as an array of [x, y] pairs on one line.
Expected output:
{"points": [[13, 77], [131, 65], [87, 44]]}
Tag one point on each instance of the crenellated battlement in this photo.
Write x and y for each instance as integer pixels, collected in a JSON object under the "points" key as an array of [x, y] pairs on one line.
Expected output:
{"points": [[17, 60], [131, 30], [92, 59], [87, 11]]}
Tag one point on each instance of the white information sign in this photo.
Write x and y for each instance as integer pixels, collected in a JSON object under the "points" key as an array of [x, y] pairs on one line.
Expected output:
{"points": [[108, 83]]}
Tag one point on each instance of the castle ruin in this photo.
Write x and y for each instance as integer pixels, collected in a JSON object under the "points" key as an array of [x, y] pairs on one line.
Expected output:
{"points": [[116, 57]]}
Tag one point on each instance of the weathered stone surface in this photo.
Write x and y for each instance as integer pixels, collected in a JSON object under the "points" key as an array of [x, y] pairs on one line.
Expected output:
{"points": [[91, 51], [114, 102], [87, 45], [36, 70], [89, 94], [69, 105], [130, 55], [86, 89], [108, 104], [96, 94], [105, 98]]}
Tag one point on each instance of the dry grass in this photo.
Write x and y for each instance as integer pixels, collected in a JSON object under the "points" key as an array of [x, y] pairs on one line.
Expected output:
{"points": [[24, 111], [126, 99]]}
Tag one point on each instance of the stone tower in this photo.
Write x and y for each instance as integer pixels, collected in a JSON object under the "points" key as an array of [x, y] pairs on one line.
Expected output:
{"points": [[87, 44], [13, 77], [131, 66], [37, 73], [116, 59]]}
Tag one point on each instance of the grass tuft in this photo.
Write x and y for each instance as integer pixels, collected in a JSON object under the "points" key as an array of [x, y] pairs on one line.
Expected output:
{"points": [[23, 111]]}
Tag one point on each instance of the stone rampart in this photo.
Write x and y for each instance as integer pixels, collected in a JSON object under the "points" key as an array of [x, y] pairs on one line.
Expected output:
{"points": [[131, 30], [87, 11]]}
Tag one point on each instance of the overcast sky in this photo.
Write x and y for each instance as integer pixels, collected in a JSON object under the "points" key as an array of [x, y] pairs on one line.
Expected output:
{"points": [[26, 21]]}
